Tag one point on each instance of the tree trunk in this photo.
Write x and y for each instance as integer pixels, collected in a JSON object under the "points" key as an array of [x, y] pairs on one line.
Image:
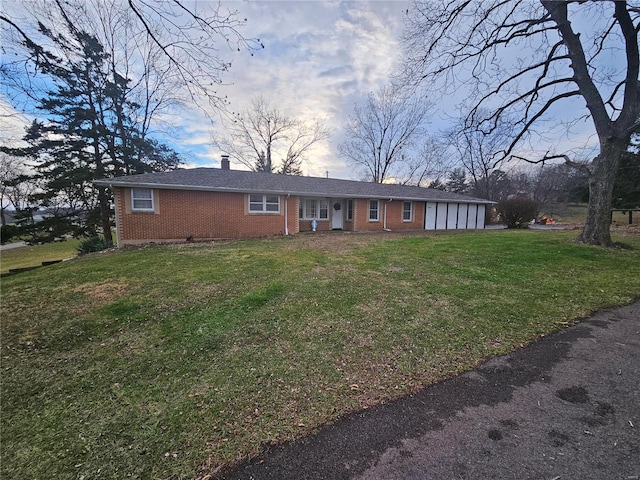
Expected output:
{"points": [[603, 174], [105, 216], [268, 167]]}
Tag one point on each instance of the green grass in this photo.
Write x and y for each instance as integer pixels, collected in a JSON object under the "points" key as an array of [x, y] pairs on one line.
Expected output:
{"points": [[162, 362], [31, 256]]}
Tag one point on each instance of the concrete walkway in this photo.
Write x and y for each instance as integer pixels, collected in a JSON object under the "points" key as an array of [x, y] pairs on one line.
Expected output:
{"points": [[11, 246], [566, 407]]}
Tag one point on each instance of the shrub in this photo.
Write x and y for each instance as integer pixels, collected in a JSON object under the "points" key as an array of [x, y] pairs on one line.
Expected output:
{"points": [[7, 232], [517, 212], [92, 244]]}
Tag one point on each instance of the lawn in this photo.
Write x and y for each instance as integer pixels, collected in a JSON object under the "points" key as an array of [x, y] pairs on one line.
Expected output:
{"points": [[174, 361], [34, 255]]}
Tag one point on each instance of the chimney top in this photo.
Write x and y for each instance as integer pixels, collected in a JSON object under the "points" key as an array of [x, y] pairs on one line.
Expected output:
{"points": [[224, 163]]}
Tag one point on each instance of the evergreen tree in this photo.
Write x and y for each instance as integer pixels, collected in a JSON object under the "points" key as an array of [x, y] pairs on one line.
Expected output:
{"points": [[87, 134], [626, 191], [437, 184], [457, 182]]}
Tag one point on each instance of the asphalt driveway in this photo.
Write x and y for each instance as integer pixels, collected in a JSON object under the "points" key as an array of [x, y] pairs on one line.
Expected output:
{"points": [[566, 407]]}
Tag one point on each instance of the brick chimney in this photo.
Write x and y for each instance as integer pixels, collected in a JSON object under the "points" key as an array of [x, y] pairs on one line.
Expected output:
{"points": [[224, 163]]}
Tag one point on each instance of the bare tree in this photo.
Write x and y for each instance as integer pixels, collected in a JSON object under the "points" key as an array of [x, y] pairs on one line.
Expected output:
{"points": [[479, 154], [17, 187], [557, 184], [431, 162], [382, 135], [262, 135], [464, 44], [10, 170], [171, 47]]}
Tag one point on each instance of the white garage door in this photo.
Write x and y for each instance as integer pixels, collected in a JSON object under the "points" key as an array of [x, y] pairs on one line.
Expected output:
{"points": [[441, 216], [472, 215], [463, 210], [450, 216], [480, 218], [430, 216]]}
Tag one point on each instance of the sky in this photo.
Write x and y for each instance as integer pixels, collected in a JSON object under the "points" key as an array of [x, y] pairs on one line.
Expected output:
{"points": [[320, 59]]}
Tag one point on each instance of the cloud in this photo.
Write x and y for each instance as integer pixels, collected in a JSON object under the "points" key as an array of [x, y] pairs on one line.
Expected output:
{"points": [[319, 59], [13, 124], [341, 71]]}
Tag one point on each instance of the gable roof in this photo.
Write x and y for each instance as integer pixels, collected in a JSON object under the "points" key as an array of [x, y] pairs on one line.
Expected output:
{"points": [[220, 180]]}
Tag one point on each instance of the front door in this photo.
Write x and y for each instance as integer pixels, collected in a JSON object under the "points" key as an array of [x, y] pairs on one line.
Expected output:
{"points": [[337, 215]]}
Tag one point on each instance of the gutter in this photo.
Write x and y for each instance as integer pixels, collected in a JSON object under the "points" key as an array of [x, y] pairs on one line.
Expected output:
{"points": [[115, 213]]}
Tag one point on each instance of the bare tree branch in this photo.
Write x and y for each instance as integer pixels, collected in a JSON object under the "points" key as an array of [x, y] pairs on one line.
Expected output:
{"points": [[261, 133], [382, 134], [582, 167], [463, 44]]}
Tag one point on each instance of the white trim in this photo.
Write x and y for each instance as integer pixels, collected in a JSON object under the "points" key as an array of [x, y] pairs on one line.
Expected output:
{"points": [[480, 216], [134, 198], [410, 219], [263, 202], [452, 216], [318, 207], [441, 215], [349, 212], [377, 219], [337, 216]]}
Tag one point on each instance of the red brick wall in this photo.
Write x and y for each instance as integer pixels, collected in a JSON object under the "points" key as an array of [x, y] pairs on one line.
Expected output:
{"points": [[180, 214], [323, 225], [394, 216]]}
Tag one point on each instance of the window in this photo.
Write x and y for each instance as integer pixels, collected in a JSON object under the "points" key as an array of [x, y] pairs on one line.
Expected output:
{"points": [[323, 207], [407, 212], [374, 210], [264, 203], [142, 199], [349, 209], [314, 208]]}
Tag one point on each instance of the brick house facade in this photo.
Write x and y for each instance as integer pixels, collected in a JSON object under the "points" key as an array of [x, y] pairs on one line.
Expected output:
{"points": [[210, 203]]}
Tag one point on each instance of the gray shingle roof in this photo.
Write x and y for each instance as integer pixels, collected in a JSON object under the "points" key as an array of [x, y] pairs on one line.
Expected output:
{"points": [[218, 180]]}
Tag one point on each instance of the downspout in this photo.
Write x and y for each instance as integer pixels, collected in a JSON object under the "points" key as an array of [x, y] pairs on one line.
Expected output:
{"points": [[384, 223], [286, 215], [115, 212]]}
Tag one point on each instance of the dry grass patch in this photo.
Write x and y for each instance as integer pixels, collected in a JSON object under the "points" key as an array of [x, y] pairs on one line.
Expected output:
{"points": [[100, 293]]}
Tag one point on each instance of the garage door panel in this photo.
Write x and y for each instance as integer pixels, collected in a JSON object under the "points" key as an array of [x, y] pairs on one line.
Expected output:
{"points": [[441, 216], [452, 216], [471, 216], [463, 210], [480, 217], [430, 216]]}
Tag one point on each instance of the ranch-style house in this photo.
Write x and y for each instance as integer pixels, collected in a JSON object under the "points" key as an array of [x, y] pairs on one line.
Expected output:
{"points": [[220, 203]]}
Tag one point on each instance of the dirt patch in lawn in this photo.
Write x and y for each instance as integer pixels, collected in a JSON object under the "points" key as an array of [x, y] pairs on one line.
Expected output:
{"points": [[102, 293], [345, 242]]}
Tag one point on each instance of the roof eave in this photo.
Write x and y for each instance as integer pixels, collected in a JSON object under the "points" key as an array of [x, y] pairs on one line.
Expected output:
{"points": [[114, 183]]}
